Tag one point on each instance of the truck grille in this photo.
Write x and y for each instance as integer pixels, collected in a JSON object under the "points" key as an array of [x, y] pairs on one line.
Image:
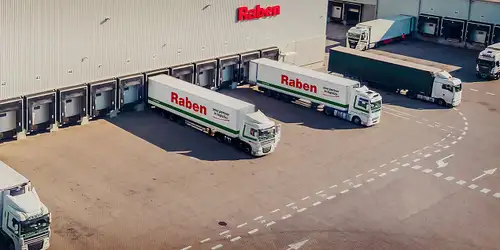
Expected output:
{"points": [[35, 245], [484, 70]]}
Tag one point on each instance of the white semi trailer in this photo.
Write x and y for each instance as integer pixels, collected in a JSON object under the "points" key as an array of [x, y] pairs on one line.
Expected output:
{"points": [[341, 97], [25, 220], [227, 119]]}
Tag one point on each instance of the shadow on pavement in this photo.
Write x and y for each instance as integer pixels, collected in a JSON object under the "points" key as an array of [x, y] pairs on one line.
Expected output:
{"points": [[403, 101], [289, 112], [175, 138]]}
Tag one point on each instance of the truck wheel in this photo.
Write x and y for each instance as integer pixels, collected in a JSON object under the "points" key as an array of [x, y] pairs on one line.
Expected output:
{"points": [[219, 137], [441, 102], [328, 111], [247, 149], [497, 76], [356, 120]]}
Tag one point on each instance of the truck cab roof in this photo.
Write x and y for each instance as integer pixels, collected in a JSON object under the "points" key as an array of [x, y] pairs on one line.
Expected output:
{"points": [[28, 203], [259, 118], [491, 52], [10, 177]]}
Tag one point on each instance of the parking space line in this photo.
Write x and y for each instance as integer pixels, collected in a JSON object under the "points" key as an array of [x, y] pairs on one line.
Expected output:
{"points": [[344, 191], [358, 175], [370, 180], [406, 165], [437, 151], [331, 197], [489, 93], [258, 218], [274, 211], [316, 203], [382, 174], [290, 204], [427, 171], [346, 180], [205, 240], [217, 247], [427, 155], [305, 198], [334, 186], [394, 169], [286, 216], [302, 210], [475, 90], [241, 225], [270, 224], [253, 231], [186, 248], [225, 232], [235, 239], [416, 160]]}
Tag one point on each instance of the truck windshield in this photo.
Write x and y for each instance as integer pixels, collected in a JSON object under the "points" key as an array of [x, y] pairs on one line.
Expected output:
{"points": [[266, 134], [34, 225], [486, 63], [376, 106], [458, 87], [354, 36]]}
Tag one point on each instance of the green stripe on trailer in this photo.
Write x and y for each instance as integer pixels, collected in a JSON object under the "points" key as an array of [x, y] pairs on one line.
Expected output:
{"points": [[304, 95], [234, 132]]}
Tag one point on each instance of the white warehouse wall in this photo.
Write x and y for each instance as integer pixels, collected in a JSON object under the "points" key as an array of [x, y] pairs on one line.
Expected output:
{"points": [[55, 43]]}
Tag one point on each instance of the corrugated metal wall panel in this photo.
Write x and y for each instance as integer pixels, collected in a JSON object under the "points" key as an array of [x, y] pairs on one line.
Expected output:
{"points": [[447, 8], [68, 42], [387, 8], [486, 12]]}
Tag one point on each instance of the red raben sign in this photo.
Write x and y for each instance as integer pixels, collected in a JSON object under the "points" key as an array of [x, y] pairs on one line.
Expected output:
{"points": [[298, 84], [258, 12], [186, 103]]}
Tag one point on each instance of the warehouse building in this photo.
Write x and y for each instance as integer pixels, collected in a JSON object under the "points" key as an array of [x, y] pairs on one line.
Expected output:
{"points": [[65, 61]]}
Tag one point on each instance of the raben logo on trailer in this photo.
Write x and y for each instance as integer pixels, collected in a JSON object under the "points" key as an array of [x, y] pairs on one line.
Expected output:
{"points": [[186, 103], [298, 84], [258, 12]]}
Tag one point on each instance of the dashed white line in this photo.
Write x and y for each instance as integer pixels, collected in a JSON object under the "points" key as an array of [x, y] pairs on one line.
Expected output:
{"points": [[382, 174], [270, 224], [475, 90], [416, 160], [305, 198], [344, 191], [406, 165], [449, 178], [404, 156], [496, 195], [489, 93], [302, 210], [334, 186], [438, 174], [416, 167], [346, 180], [466, 128], [465, 118], [446, 146], [371, 170], [253, 231], [430, 126], [316, 203], [461, 182], [358, 175], [443, 139], [394, 169], [396, 115], [186, 248], [428, 170], [370, 180], [205, 240], [225, 232], [286, 216], [235, 239], [358, 185], [454, 142], [473, 186], [275, 210], [290, 204], [331, 197], [241, 225], [459, 138], [437, 150], [466, 124], [462, 114], [416, 151], [258, 218], [217, 247], [485, 190], [319, 192], [448, 135], [383, 165], [444, 130], [464, 133], [427, 155], [419, 122], [393, 160]]}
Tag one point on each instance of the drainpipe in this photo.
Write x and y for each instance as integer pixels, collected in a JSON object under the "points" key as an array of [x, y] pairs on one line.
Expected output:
{"points": [[376, 9]]}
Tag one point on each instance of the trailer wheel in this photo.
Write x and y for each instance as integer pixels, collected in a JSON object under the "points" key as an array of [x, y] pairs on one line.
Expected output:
{"points": [[441, 102], [328, 111], [497, 76], [268, 92], [356, 120], [219, 137]]}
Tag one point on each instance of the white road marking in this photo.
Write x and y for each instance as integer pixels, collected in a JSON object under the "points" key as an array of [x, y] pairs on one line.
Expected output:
{"points": [[290, 204], [394, 169], [406, 165], [205, 240], [396, 115], [225, 232], [465, 118], [370, 180], [382, 174], [443, 139], [496, 195], [331, 197], [371, 170], [235, 239], [416, 151], [319, 192], [466, 128], [344, 191], [358, 185], [444, 130], [416, 167], [462, 114], [430, 126], [393, 160], [427, 170], [383, 165], [416, 160], [446, 146], [419, 122], [459, 138], [286, 216], [454, 142], [358, 175], [438, 174], [472, 186], [305, 198], [404, 156], [437, 150], [217, 247], [270, 224], [461, 182], [475, 90], [241, 225], [346, 180], [466, 124], [186, 248], [316, 203], [489, 93], [258, 218], [451, 127], [455, 109], [464, 133], [425, 119], [427, 155], [334, 186], [401, 112], [275, 210], [449, 178], [253, 231], [485, 190], [302, 210]]}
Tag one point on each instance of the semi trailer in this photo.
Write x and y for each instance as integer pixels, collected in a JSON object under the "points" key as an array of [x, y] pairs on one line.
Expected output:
{"points": [[25, 220], [371, 34], [227, 119], [488, 62], [404, 77], [340, 97]]}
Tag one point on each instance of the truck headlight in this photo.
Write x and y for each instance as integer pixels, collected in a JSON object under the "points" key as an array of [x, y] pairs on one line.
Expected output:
{"points": [[477, 67]]}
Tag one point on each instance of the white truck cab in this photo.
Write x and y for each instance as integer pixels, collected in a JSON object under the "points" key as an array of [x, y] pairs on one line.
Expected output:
{"points": [[488, 62], [358, 37], [25, 220], [446, 88], [367, 105], [261, 133]]}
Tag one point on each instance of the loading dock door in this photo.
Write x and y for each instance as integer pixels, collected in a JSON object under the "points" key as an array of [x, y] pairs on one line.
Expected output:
{"points": [[102, 98], [428, 25], [244, 67], [352, 13], [336, 11], [229, 68], [453, 29], [72, 104], [41, 111], [206, 74], [183, 72], [478, 33], [496, 35], [130, 90], [11, 117], [270, 53]]}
